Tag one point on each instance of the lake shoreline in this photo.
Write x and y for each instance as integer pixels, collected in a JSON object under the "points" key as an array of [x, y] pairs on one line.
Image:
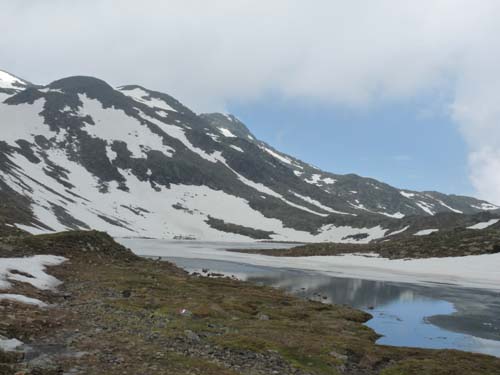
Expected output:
{"points": [[475, 271], [115, 313], [482, 324]]}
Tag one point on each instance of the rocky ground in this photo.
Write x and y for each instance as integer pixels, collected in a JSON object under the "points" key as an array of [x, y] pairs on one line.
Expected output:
{"points": [[116, 313], [450, 243]]}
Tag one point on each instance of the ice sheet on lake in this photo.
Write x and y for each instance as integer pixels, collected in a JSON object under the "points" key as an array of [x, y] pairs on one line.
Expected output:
{"points": [[471, 271]]}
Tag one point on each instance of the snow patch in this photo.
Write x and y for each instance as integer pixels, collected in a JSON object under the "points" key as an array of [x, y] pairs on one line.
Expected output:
{"points": [[228, 117], [426, 232], [329, 180], [275, 155], [237, 148], [319, 180], [112, 155], [23, 121], [9, 345], [399, 231], [485, 206], [179, 133], [396, 215], [113, 124], [144, 97], [226, 133], [33, 266], [22, 299], [264, 189], [407, 194], [8, 81], [484, 225], [214, 137], [448, 207], [426, 207], [361, 206], [4, 95], [320, 205]]}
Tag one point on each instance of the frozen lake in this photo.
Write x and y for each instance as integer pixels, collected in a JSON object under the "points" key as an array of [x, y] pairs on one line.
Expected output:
{"points": [[424, 314]]}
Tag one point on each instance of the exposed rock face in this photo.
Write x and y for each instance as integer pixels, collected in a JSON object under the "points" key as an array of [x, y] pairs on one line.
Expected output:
{"points": [[80, 154]]}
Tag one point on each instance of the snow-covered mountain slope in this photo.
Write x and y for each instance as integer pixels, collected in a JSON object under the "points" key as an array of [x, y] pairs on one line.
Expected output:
{"points": [[10, 84], [79, 153]]}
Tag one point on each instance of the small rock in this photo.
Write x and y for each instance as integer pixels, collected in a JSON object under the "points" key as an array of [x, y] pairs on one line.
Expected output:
{"points": [[192, 336], [262, 316], [186, 313], [339, 356], [126, 293], [66, 295]]}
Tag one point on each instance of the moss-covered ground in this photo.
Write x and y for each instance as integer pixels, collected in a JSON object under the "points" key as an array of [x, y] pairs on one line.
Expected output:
{"points": [[116, 313]]}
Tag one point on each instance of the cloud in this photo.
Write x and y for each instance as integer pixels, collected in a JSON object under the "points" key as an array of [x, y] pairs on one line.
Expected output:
{"points": [[351, 53]]}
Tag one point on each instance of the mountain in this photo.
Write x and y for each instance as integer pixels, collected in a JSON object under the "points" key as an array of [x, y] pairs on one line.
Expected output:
{"points": [[80, 154]]}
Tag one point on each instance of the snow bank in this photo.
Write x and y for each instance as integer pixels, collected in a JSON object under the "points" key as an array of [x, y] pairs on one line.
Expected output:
{"points": [[237, 148], [9, 345], [8, 81], [484, 225], [145, 97], [425, 232], [277, 156], [29, 270], [317, 179], [226, 133], [22, 299]]}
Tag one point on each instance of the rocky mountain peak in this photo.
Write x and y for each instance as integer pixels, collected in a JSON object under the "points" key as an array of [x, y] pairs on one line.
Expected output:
{"points": [[80, 84], [228, 124]]}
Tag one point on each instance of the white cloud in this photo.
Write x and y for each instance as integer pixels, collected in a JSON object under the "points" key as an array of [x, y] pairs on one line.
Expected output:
{"points": [[352, 53]]}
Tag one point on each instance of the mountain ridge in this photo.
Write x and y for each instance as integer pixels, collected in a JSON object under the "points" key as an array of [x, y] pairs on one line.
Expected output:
{"points": [[80, 154]]}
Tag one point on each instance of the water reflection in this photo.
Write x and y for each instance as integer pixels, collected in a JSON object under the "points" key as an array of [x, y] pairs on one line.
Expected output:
{"points": [[404, 314]]}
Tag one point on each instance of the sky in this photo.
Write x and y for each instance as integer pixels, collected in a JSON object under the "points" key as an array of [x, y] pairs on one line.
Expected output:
{"points": [[404, 91], [397, 144]]}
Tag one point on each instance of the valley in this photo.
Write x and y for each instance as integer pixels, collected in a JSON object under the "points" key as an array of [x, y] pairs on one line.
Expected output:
{"points": [[137, 236]]}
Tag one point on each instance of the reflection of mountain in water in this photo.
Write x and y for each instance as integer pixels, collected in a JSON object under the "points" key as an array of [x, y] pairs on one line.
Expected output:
{"points": [[477, 311], [354, 292]]}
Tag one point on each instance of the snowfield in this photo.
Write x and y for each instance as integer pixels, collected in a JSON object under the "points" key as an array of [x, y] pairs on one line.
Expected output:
{"points": [[144, 210], [158, 218], [479, 271]]}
